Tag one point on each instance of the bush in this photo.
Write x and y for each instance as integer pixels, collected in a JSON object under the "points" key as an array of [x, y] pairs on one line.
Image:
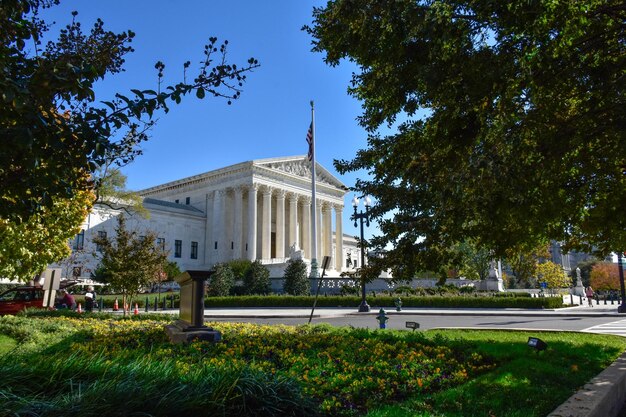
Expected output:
{"points": [[296, 281], [257, 279], [222, 281]]}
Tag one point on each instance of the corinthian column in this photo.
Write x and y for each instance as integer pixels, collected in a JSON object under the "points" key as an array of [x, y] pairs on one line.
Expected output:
{"points": [[320, 227], [328, 232], [293, 219], [252, 221], [280, 224], [338, 238], [266, 235], [306, 227], [218, 225], [237, 222]]}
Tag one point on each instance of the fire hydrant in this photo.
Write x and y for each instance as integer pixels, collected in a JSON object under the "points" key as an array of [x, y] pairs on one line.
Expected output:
{"points": [[398, 304], [382, 319]]}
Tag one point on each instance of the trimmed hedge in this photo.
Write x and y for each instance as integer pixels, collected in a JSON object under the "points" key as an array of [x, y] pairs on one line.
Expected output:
{"points": [[378, 301], [385, 301]]}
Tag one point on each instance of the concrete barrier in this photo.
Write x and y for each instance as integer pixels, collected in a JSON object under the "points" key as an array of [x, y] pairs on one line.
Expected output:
{"points": [[603, 396]]}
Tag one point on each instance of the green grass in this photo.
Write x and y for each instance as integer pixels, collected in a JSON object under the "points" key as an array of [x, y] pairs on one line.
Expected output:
{"points": [[7, 344], [525, 383], [104, 365]]}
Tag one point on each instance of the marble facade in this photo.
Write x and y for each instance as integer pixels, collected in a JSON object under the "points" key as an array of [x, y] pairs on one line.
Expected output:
{"points": [[255, 210]]}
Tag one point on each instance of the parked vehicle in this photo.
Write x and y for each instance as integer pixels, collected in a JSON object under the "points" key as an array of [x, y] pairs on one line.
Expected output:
{"points": [[16, 299]]}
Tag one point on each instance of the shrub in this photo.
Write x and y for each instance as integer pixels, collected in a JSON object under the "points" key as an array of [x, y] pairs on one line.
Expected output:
{"points": [[222, 281], [296, 281], [257, 279]]}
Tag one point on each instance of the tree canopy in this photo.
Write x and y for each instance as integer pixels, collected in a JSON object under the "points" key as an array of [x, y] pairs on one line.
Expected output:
{"points": [[28, 247], [510, 118], [52, 129]]}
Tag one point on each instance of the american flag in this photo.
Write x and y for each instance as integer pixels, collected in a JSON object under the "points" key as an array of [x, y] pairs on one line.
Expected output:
{"points": [[309, 140]]}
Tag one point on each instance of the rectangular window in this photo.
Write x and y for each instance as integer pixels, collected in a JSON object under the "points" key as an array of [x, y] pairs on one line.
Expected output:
{"points": [[194, 250], [178, 248], [102, 235], [79, 241], [176, 201], [161, 243], [188, 200]]}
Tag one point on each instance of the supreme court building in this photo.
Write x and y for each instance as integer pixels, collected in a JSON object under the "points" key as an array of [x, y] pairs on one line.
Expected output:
{"points": [[255, 210]]}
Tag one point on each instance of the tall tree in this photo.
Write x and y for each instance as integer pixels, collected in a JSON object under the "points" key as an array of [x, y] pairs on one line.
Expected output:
{"points": [[129, 261], [515, 121], [52, 130]]}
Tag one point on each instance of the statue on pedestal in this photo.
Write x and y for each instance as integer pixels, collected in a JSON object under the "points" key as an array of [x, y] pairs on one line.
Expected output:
{"points": [[578, 289]]}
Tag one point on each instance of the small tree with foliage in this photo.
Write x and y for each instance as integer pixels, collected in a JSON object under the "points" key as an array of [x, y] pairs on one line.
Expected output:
{"points": [[257, 279], [221, 281], [129, 261], [553, 275], [296, 281], [605, 276]]}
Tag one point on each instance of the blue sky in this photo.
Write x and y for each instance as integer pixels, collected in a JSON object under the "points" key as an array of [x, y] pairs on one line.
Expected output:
{"points": [[271, 117]]}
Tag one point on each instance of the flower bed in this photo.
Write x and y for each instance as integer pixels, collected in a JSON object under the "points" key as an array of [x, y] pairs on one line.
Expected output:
{"points": [[345, 371]]}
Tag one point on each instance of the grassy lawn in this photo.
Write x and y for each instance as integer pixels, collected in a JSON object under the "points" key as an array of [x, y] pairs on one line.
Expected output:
{"points": [[101, 365], [6, 344]]}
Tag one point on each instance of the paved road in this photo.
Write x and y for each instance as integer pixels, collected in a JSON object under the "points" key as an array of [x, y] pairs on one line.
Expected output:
{"points": [[599, 319]]}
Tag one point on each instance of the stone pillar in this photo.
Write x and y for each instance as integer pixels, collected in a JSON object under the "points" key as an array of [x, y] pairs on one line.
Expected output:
{"points": [[328, 232], [208, 232], [218, 225], [320, 228], [237, 223], [266, 236], [338, 238], [280, 224], [293, 220], [306, 227], [252, 219]]}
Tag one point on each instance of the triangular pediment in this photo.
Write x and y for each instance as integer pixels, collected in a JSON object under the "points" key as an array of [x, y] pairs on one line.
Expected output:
{"points": [[300, 166]]}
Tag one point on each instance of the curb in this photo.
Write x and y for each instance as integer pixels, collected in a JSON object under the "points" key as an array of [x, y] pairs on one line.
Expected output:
{"points": [[603, 396]]}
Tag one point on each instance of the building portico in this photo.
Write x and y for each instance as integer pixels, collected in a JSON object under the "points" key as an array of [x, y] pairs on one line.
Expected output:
{"points": [[260, 210]]}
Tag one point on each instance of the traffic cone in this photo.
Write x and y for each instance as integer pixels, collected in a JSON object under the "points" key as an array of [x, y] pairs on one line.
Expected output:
{"points": [[136, 311], [79, 309], [115, 305]]}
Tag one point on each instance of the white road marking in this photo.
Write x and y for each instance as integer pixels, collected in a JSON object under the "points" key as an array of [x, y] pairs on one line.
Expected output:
{"points": [[616, 327]]}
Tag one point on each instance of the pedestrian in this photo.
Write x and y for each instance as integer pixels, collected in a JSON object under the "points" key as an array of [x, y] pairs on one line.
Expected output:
{"points": [[90, 299], [67, 300], [589, 294]]}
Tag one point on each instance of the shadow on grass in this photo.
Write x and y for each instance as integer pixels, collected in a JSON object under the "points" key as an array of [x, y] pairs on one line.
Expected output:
{"points": [[525, 383], [61, 378]]}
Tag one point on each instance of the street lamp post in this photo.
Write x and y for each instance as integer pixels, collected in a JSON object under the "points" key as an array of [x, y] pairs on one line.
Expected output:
{"points": [[364, 217], [620, 269]]}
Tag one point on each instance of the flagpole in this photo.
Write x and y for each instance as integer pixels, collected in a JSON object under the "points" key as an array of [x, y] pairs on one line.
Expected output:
{"points": [[313, 199]]}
